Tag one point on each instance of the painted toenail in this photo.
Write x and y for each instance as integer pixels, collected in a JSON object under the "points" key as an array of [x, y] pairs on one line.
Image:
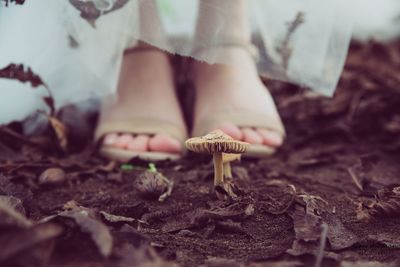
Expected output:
{"points": [[110, 139], [274, 138]]}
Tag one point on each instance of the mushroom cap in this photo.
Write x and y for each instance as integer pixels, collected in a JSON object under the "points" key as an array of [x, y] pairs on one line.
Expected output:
{"points": [[214, 142]]}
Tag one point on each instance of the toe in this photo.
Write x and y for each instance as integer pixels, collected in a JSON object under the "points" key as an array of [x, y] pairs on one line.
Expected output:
{"points": [[123, 141], [251, 136], [164, 143], [110, 139], [232, 130], [270, 138], [139, 143]]}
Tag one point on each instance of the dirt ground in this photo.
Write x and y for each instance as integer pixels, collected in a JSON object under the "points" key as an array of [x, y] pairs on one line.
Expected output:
{"points": [[329, 197]]}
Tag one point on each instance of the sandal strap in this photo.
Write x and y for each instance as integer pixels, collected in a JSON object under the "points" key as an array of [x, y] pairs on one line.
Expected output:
{"points": [[149, 126], [242, 120]]}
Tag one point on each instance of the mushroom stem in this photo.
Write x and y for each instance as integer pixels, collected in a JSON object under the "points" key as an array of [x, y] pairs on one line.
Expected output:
{"points": [[227, 170], [218, 169]]}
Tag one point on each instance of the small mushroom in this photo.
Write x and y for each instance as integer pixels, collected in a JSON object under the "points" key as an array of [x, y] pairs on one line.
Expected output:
{"points": [[226, 160], [217, 143]]}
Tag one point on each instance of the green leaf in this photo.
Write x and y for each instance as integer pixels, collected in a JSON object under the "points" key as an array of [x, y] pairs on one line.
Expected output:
{"points": [[152, 167], [127, 167]]}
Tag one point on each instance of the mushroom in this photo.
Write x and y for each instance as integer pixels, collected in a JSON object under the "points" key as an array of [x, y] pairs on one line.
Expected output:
{"points": [[226, 160], [218, 144]]}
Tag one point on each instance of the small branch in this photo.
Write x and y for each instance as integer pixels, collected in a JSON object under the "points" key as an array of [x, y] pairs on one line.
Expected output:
{"points": [[322, 244], [355, 179]]}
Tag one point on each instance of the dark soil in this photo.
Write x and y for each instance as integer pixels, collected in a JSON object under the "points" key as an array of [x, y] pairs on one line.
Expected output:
{"points": [[329, 197]]}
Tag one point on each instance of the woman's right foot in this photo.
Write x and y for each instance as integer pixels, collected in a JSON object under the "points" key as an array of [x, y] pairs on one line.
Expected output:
{"points": [[145, 90], [222, 89]]}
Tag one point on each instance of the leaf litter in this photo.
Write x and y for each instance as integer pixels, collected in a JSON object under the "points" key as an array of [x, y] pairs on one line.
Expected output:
{"points": [[298, 207]]}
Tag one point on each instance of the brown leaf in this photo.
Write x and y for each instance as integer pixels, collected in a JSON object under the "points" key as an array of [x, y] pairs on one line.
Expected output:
{"points": [[387, 204], [60, 131], [276, 264], [129, 256], [16, 242], [9, 217], [11, 188], [25, 74], [111, 218], [97, 230], [338, 235], [363, 263], [219, 262], [20, 73], [86, 219], [49, 101], [176, 225], [386, 238], [236, 211], [14, 203], [306, 224]]}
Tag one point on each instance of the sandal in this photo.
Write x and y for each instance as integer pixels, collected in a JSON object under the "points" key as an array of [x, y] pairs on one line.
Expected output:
{"points": [[139, 126], [136, 126], [242, 119]]}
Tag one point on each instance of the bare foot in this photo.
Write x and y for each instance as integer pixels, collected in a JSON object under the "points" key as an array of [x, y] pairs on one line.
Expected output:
{"points": [[235, 88], [145, 90]]}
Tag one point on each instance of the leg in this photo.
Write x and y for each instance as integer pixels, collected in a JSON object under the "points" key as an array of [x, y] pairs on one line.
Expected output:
{"points": [[238, 84], [140, 95]]}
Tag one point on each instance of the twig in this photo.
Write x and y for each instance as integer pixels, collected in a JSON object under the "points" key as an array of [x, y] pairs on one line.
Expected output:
{"points": [[354, 104], [322, 244], [19, 137], [355, 179]]}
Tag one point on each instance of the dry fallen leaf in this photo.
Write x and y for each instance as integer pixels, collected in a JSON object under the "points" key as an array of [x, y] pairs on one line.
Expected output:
{"points": [[9, 217], [60, 131], [14, 203], [25, 74], [386, 204], [144, 256], [87, 221], [111, 218], [16, 242], [362, 263]]}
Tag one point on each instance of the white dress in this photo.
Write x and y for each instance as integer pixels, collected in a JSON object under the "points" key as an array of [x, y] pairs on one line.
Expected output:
{"points": [[76, 46]]}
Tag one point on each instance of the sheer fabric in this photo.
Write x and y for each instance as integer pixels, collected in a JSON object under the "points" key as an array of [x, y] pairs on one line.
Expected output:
{"points": [[76, 46]]}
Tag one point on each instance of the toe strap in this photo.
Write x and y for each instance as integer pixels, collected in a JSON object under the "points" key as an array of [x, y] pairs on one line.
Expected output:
{"points": [[141, 126], [273, 123]]}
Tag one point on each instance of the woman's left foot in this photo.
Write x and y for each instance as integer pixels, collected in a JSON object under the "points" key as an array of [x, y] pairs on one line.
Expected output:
{"points": [[235, 88]]}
